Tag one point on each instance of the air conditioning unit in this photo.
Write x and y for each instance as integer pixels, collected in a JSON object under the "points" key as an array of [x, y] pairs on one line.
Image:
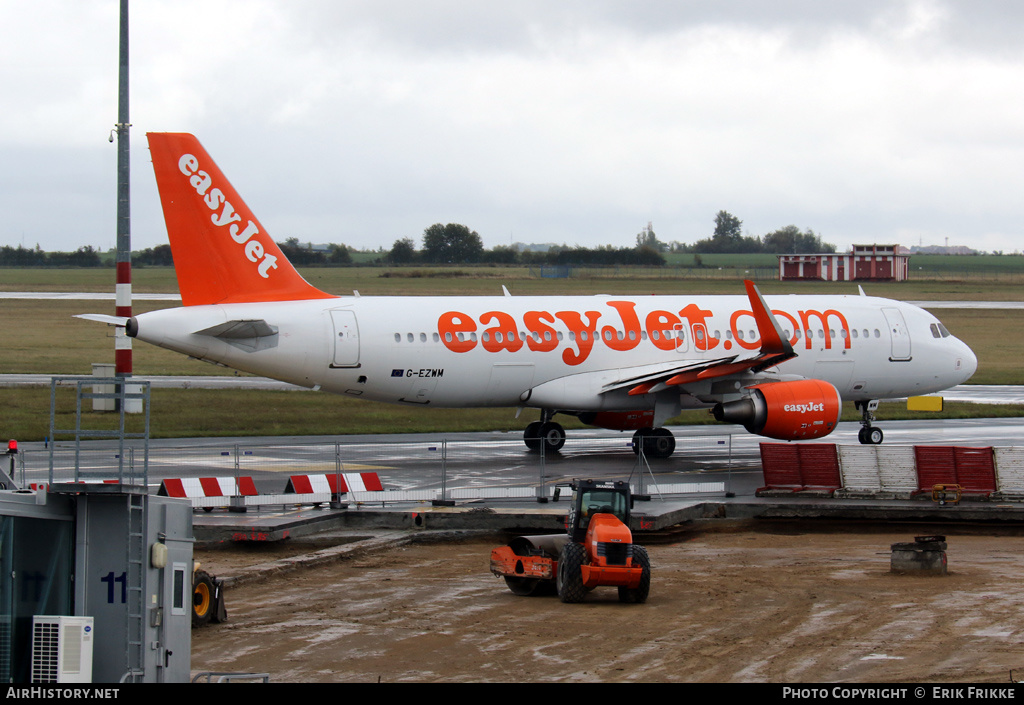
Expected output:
{"points": [[61, 649]]}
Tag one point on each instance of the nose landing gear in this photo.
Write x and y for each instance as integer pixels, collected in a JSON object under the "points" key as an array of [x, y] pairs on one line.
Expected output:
{"points": [[868, 434]]}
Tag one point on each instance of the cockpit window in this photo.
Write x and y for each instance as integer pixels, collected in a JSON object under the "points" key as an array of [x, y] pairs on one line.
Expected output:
{"points": [[939, 331], [942, 329]]}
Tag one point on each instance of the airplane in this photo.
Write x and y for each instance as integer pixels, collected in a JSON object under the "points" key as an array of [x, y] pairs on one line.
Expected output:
{"points": [[780, 366]]}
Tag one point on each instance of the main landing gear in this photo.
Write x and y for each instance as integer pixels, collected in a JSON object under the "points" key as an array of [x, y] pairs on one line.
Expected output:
{"points": [[550, 436], [656, 442], [546, 434], [868, 434]]}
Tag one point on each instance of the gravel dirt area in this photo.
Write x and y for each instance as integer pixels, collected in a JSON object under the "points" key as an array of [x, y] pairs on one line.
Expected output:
{"points": [[780, 603]]}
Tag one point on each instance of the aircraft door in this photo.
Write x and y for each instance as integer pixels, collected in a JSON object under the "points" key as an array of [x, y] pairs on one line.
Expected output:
{"points": [[701, 344], [681, 338], [346, 338], [900, 336]]}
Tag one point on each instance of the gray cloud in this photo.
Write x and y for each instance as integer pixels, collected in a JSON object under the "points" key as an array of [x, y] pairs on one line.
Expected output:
{"points": [[571, 122]]}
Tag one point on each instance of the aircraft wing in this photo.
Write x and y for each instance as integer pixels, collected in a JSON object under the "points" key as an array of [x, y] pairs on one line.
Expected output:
{"points": [[775, 349]]}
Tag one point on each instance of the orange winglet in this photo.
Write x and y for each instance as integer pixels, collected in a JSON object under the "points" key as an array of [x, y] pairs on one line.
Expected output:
{"points": [[772, 340], [221, 252]]}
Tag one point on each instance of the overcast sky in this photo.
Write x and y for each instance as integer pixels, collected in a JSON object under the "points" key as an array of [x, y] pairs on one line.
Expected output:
{"points": [[576, 122]]}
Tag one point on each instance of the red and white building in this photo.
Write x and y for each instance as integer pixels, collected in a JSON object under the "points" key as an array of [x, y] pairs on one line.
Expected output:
{"points": [[865, 263]]}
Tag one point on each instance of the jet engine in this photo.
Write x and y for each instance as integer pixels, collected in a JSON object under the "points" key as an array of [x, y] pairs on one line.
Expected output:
{"points": [[788, 411]]}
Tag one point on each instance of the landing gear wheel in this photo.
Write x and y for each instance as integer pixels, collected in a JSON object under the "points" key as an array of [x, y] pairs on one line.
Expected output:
{"points": [[202, 598], [870, 435], [661, 443], [569, 580], [638, 437], [531, 436], [552, 436], [638, 594], [657, 442]]}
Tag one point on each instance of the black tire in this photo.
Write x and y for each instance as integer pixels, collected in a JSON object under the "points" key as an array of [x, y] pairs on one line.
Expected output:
{"points": [[552, 436], [638, 438], [660, 444], [524, 587], [874, 435], [202, 598], [531, 436], [638, 595], [570, 574]]}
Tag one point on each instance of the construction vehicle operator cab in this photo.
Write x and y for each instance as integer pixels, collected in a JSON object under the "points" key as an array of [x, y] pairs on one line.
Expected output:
{"points": [[591, 498]]}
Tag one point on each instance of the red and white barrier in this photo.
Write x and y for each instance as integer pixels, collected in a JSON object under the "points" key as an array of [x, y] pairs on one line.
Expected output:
{"points": [[208, 491], [334, 483]]}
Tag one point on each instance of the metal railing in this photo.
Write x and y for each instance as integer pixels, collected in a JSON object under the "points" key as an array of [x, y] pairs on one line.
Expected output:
{"points": [[413, 470]]}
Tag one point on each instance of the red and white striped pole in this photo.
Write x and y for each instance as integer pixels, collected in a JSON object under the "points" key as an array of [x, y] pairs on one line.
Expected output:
{"points": [[123, 288]]}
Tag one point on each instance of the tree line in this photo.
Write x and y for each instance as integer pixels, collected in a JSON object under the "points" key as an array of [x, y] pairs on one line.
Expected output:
{"points": [[455, 243], [22, 257]]}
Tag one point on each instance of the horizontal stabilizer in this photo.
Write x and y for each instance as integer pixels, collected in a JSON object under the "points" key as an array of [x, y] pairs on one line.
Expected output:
{"points": [[121, 321]]}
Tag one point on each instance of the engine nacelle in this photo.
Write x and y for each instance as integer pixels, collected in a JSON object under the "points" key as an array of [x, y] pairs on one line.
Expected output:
{"points": [[788, 411], [619, 420]]}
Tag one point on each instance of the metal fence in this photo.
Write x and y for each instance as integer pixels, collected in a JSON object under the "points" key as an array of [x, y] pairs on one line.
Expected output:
{"points": [[419, 469]]}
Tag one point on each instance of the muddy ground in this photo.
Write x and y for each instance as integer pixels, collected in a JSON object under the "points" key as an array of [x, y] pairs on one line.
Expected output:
{"points": [[755, 603]]}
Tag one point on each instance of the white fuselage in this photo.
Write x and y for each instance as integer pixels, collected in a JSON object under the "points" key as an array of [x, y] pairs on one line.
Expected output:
{"points": [[560, 352]]}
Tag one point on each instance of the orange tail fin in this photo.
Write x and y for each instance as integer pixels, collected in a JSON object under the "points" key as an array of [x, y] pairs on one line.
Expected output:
{"points": [[221, 252]]}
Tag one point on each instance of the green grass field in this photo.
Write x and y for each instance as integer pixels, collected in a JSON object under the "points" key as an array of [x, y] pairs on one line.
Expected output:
{"points": [[42, 337]]}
